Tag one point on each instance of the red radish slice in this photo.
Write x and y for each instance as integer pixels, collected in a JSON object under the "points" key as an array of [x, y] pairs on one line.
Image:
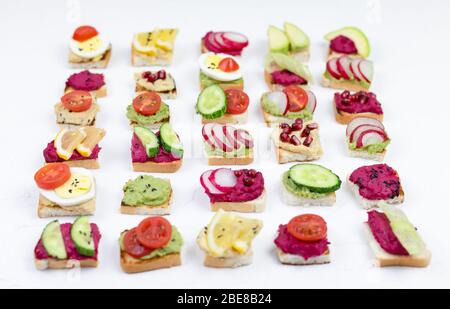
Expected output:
{"points": [[365, 67], [332, 68], [207, 185], [362, 128], [236, 41], [370, 137], [356, 122], [219, 41], [229, 133], [220, 140], [279, 98], [354, 69], [312, 101], [343, 66], [207, 134], [223, 179], [243, 136], [210, 43]]}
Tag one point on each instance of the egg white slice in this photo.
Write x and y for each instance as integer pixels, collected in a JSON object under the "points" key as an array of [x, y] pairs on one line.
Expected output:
{"points": [[53, 197], [104, 45], [216, 73]]}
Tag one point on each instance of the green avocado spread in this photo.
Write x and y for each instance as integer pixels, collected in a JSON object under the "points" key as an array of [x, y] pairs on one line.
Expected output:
{"points": [[146, 190], [206, 81], [363, 83], [240, 152], [299, 190], [372, 149], [173, 246], [161, 115], [272, 108]]}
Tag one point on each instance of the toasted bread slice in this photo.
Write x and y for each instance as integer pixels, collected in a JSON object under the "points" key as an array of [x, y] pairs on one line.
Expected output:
{"points": [[99, 93], [153, 167], [52, 263], [384, 259], [216, 160], [159, 210], [76, 62], [229, 262], [256, 205], [131, 265], [91, 164], [379, 156], [294, 200], [228, 119], [48, 209], [293, 259], [343, 84], [140, 60], [345, 118]]}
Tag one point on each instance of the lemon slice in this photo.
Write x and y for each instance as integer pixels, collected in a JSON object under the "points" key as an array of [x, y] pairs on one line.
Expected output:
{"points": [[93, 137], [165, 38], [144, 42], [66, 141]]}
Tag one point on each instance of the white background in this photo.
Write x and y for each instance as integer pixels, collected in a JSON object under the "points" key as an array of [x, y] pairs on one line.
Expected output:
{"points": [[410, 51]]}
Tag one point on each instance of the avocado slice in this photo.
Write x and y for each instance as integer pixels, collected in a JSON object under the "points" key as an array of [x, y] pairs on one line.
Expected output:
{"points": [[299, 40], [291, 64], [278, 41], [356, 35]]}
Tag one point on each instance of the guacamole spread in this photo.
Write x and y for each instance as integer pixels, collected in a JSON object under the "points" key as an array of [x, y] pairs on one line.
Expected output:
{"points": [[363, 83], [161, 115], [240, 152], [299, 190], [206, 81], [372, 149], [146, 190], [272, 108]]}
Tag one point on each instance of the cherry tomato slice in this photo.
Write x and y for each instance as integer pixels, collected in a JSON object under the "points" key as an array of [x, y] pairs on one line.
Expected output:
{"points": [[84, 33], [147, 103], [77, 101], [228, 65], [132, 246], [154, 232], [297, 98], [52, 176], [308, 228], [237, 101]]}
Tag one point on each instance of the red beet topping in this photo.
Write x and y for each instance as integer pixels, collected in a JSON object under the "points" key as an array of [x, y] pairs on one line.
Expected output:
{"points": [[344, 45], [376, 182], [86, 81], [40, 253], [138, 153], [291, 245], [51, 156], [287, 78], [249, 186], [360, 102], [382, 231]]}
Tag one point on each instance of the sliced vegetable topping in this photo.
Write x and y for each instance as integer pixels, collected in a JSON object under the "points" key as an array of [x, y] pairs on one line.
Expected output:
{"points": [[84, 33], [132, 245], [148, 139], [154, 232], [52, 176], [237, 101], [53, 242], [77, 100], [170, 140], [211, 102], [315, 178], [297, 98], [228, 65], [147, 103], [308, 228]]}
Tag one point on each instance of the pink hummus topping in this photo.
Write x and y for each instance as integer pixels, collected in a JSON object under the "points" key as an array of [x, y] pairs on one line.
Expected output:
{"points": [[51, 156], [86, 81], [139, 154]]}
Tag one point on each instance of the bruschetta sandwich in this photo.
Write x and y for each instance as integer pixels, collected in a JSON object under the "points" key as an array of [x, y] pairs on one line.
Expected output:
{"points": [[88, 49], [303, 241], [224, 42], [309, 184], [68, 245], [156, 152], [216, 105], [87, 81], [348, 106], [283, 70], [77, 108], [154, 48], [375, 184], [154, 244], [367, 139], [235, 190], [227, 240], [148, 110], [227, 145], [161, 82], [394, 240], [65, 191], [350, 41], [220, 69], [146, 195], [290, 40], [75, 147]]}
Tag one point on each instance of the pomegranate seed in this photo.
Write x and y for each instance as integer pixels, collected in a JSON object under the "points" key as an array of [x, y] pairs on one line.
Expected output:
{"points": [[161, 74], [297, 126], [284, 125], [284, 137], [295, 140], [305, 132], [287, 130], [298, 120], [248, 181], [252, 173], [145, 74], [238, 173], [307, 142], [345, 94], [312, 126], [151, 77]]}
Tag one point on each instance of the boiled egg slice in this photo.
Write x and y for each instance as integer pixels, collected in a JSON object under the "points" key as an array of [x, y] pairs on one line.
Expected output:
{"points": [[91, 48], [209, 65]]}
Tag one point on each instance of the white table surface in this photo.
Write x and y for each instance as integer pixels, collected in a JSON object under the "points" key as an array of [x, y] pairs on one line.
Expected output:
{"points": [[410, 50]]}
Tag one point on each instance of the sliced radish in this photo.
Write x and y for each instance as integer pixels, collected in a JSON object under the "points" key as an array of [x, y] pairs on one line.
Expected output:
{"points": [[207, 134], [312, 101], [207, 184], [243, 136], [219, 40], [210, 43], [229, 133], [279, 98], [360, 129], [220, 140], [343, 66], [356, 122], [223, 179], [235, 40], [332, 68], [370, 137], [354, 69], [365, 67]]}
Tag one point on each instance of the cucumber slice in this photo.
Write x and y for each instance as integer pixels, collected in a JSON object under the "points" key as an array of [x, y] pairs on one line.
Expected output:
{"points": [[212, 102], [170, 140], [81, 235], [53, 241], [148, 139], [315, 178]]}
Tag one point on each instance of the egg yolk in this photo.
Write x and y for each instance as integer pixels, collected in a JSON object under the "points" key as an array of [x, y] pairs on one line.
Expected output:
{"points": [[90, 45]]}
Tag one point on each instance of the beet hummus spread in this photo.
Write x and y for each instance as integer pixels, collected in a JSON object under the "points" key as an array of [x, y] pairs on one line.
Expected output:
{"points": [[72, 254], [86, 81], [360, 102], [382, 231], [139, 154], [51, 156], [249, 186], [344, 45], [287, 78], [376, 182], [287, 243]]}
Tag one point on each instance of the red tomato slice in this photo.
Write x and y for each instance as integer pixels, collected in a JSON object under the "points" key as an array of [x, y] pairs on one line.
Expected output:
{"points": [[77, 101], [237, 101], [84, 33], [297, 98], [154, 232], [147, 103], [308, 228], [228, 65], [132, 246], [52, 176]]}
